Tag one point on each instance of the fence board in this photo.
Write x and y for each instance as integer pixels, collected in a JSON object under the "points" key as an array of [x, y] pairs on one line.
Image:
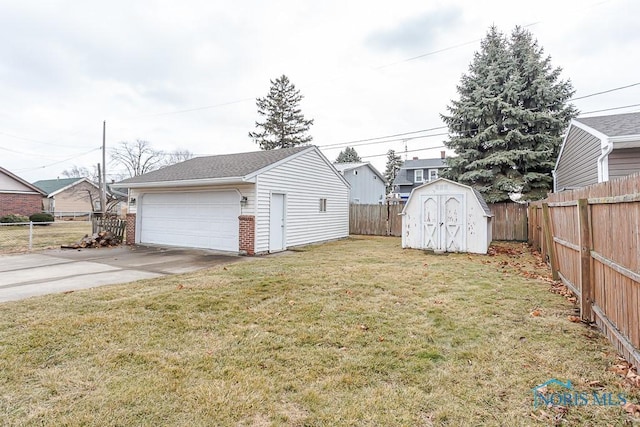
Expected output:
{"points": [[596, 235], [376, 220], [509, 221]]}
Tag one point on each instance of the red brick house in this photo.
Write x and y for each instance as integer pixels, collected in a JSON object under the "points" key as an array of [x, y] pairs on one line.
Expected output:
{"points": [[17, 196]]}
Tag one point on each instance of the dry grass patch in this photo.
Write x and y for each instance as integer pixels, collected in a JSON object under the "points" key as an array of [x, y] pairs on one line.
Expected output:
{"points": [[355, 332], [15, 238]]}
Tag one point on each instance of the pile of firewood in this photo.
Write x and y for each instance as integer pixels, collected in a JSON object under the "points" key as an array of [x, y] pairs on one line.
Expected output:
{"points": [[96, 240]]}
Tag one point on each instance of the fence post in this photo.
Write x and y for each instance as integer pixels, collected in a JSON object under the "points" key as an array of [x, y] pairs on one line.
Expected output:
{"points": [[548, 237], [30, 235], [586, 287]]}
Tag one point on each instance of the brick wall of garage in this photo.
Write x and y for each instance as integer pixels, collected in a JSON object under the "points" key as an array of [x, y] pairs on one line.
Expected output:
{"points": [[20, 204]]}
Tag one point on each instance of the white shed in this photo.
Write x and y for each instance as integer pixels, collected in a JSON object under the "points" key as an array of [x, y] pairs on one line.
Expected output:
{"points": [[446, 216]]}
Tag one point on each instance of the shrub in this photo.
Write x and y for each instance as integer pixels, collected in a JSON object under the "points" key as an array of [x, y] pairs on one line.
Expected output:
{"points": [[13, 218], [41, 217]]}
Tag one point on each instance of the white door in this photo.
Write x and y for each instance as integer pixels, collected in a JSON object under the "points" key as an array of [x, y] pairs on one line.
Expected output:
{"points": [[442, 222], [276, 223], [203, 219]]}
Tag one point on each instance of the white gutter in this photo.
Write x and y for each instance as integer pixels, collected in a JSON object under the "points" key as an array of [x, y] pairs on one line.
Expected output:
{"points": [[185, 183]]}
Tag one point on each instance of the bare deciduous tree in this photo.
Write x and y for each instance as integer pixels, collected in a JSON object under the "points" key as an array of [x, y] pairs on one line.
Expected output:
{"points": [[137, 157], [178, 156]]}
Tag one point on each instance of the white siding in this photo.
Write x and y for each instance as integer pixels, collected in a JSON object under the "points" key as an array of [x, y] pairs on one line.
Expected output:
{"points": [[304, 180]]}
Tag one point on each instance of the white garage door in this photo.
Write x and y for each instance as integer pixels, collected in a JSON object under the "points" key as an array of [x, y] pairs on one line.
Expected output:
{"points": [[191, 219]]}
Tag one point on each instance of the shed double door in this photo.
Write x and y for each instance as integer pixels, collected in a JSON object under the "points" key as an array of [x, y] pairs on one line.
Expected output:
{"points": [[443, 222]]}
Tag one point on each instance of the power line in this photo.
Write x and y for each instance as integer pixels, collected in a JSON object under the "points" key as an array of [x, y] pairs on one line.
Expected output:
{"points": [[605, 91], [35, 140], [382, 137], [408, 151], [383, 142], [611, 109], [61, 161]]}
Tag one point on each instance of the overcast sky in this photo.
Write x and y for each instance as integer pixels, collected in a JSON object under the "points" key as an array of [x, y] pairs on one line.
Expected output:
{"points": [[185, 74]]}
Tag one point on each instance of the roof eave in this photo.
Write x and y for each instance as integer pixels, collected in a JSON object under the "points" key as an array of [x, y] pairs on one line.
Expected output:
{"points": [[186, 183]]}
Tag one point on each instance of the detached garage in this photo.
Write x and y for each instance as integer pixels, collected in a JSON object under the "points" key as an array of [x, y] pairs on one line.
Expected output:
{"points": [[443, 215], [256, 202]]}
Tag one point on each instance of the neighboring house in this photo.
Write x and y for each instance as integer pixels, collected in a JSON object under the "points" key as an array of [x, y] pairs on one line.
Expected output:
{"points": [[416, 172], [264, 201], [368, 186], [598, 149], [444, 215], [17, 196], [70, 197]]}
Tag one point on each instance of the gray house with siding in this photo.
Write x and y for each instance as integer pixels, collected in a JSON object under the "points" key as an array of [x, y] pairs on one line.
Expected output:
{"points": [[368, 186], [416, 172], [598, 149]]}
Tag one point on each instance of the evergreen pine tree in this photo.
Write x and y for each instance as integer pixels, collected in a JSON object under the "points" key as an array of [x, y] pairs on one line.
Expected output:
{"points": [[394, 163], [349, 155], [284, 125], [506, 126]]}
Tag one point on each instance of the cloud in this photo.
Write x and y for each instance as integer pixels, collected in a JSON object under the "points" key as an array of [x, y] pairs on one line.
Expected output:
{"points": [[418, 33]]}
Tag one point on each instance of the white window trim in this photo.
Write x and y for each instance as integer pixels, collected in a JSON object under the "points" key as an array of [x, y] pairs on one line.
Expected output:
{"points": [[415, 175], [436, 174]]}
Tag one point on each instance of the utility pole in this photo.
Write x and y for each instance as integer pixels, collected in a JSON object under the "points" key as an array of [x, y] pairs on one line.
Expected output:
{"points": [[103, 173]]}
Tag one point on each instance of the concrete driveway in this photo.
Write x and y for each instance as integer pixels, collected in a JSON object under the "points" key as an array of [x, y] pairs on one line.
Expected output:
{"points": [[62, 270]]}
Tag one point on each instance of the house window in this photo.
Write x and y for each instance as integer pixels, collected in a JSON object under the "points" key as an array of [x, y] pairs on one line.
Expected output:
{"points": [[418, 175], [323, 205], [433, 174]]}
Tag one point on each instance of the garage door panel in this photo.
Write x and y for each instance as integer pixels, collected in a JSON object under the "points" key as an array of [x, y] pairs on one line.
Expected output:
{"points": [[194, 219]]}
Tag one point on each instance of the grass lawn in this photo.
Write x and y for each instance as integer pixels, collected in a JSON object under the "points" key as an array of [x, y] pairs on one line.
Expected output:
{"points": [[354, 332], [15, 238]]}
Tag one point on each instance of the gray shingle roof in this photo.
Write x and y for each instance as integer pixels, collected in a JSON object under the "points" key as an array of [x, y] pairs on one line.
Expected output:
{"points": [[483, 203], [222, 166], [615, 124], [424, 163]]}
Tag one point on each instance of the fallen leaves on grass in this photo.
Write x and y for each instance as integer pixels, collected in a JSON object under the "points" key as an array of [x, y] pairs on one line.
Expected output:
{"points": [[555, 415], [574, 319], [627, 371], [536, 313], [633, 409]]}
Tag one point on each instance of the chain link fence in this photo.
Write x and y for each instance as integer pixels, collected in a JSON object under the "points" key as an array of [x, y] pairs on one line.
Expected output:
{"points": [[29, 236]]}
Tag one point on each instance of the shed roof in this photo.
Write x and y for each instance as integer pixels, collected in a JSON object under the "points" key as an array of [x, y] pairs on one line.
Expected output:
{"points": [[614, 124]]}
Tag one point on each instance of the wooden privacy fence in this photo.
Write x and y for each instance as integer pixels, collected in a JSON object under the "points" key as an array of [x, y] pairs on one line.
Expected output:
{"points": [[509, 220], [591, 238], [376, 220]]}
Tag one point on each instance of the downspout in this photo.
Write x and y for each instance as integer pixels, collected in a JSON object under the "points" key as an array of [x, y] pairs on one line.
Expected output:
{"points": [[603, 162]]}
